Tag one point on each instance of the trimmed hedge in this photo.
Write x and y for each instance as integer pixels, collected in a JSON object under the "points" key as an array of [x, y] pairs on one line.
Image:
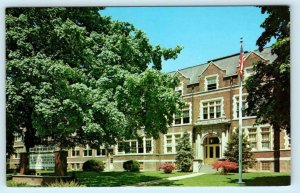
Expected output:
{"points": [[93, 165], [132, 166]]}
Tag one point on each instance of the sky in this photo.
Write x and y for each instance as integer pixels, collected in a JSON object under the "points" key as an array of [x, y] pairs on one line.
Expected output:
{"points": [[205, 33]]}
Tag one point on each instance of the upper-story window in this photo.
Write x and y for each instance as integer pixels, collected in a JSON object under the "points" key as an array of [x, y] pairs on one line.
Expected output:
{"points": [[244, 107], [248, 72], [265, 138], [100, 152], [75, 152], [18, 137], [179, 88], [211, 82], [135, 146], [212, 109], [185, 116], [87, 152]]}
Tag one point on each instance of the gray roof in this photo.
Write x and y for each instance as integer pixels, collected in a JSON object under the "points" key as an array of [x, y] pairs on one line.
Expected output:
{"points": [[227, 63]]}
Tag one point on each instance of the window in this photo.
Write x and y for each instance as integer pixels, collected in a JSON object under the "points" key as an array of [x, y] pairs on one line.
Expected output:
{"points": [[248, 72], [18, 137], [265, 137], [87, 152], [135, 146], [211, 83], [252, 137], [75, 152], [265, 165], [100, 152], [75, 166], [244, 106], [184, 117], [18, 150], [211, 110], [179, 88], [171, 142]]}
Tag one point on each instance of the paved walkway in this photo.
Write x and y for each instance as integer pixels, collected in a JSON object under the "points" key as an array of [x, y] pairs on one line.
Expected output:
{"points": [[155, 182]]}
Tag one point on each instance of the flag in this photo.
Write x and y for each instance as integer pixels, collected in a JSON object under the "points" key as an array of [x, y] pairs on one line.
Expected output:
{"points": [[241, 62]]}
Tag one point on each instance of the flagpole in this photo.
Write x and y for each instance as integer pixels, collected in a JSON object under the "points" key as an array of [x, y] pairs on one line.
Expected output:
{"points": [[240, 116]]}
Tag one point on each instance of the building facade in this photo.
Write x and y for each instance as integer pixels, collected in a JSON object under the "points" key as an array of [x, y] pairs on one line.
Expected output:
{"points": [[210, 115]]}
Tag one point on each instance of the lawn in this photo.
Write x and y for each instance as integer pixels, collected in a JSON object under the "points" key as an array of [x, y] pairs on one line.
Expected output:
{"points": [[102, 179], [250, 179], [115, 179]]}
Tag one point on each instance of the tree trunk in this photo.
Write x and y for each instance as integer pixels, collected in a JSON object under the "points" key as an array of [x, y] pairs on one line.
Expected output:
{"points": [[60, 163], [276, 149], [24, 163]]}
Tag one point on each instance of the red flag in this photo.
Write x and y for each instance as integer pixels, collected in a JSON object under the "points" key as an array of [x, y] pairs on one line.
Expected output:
{"points": [[241, 62]]}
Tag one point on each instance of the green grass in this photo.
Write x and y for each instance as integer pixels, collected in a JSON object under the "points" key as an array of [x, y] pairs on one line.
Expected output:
{"points": [[102, 179], [250, 179], [113, 179]]}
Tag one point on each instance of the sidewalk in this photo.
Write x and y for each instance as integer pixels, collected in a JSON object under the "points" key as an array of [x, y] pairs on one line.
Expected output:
{"points": [[155, 182]]}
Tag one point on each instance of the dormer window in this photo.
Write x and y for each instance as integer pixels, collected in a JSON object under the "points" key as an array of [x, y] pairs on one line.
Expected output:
{"points": [[211, 82]]}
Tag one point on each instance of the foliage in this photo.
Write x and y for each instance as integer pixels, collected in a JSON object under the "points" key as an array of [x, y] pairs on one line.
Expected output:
{"points": [[93, 165], [269, 87], [225, 166], [167, 167], [68, 70], [65, 184], [184, 157], [232, 151], [131, 165]]}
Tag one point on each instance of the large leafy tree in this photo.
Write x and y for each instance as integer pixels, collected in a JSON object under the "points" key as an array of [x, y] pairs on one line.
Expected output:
{"points": [[76, 77], [269, 87]]}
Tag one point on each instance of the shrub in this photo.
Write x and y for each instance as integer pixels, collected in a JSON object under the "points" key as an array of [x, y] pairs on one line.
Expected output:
{"points": [[93, 165], [167, 167], [225, 166], [65, 184], [131, 165], [184, 157]]}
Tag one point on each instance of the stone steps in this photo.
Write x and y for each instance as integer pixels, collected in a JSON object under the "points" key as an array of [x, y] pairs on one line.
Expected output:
{"points": [[205, 168]]}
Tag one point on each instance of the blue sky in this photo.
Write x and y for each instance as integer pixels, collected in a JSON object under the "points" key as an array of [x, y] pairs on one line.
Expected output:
{"points": [[204, 32]]}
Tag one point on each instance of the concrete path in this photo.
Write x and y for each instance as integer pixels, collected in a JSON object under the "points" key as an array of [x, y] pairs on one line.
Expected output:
{"points": [[155, 182], [185, 176]]}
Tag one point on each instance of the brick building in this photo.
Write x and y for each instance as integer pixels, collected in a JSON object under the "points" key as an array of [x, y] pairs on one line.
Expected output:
{"points": [[210, 91]]}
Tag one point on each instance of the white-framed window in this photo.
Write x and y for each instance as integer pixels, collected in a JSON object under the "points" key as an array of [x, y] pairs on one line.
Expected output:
{"points": [[75, 166], [18, 137], [18, 150], [252, 136], [211, 109], [87, 152], [171, 141], [249, 71], [179, 88], [244, 107], [144, 146], [211, 82], [75, 152], [100, 152], [185, 116], [265, 138]]}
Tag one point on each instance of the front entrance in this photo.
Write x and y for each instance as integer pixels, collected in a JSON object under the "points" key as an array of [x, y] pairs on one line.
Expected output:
{"points": [[211, 149]]}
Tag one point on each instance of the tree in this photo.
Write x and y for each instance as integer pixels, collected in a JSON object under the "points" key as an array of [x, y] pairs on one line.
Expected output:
{"points": [[232, 151], [75, 77], [269, 87], [184, 157]]}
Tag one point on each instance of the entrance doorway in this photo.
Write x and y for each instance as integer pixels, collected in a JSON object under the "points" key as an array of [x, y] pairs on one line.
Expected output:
{"points": [[211, 149]]}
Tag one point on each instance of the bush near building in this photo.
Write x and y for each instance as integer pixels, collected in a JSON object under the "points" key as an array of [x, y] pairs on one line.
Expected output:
{"points": [[131, 166], [167, 167], [184, 157], [93, 165], [232, 151], [225, 166]]}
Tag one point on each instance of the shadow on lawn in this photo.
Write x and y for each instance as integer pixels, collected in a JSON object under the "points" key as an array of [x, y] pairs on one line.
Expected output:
{"points": [[284, 180], [110, 179]]}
